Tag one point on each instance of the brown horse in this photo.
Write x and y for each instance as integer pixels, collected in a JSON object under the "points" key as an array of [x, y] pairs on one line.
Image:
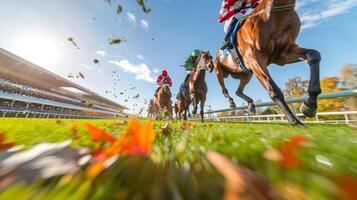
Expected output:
{"points": [[182, 106], [164, 100], [268, 36], [154, 109], [197, 84]]}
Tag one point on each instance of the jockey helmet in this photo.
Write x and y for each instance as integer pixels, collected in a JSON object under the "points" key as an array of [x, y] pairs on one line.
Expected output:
{"points": [[164, 73], [196, 52]]}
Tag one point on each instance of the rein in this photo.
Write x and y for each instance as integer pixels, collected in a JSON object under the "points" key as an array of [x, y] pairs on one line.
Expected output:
{"points": [[271, 9]]}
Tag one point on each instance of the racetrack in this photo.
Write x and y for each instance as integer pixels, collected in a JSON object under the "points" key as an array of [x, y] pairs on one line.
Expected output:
{"points": [[331, 150]]}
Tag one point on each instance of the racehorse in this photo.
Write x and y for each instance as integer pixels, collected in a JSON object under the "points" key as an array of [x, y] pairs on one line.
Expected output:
{"points": [[197, 85], [182, 106], [164, 100], [154, 109], [267, 37]]}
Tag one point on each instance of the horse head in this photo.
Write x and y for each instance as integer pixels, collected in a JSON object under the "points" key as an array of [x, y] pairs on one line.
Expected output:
{"points": [[205, 61]]}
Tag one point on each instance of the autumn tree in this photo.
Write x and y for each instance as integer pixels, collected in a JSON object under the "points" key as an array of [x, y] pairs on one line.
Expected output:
{"points": [[328, 85], [296, 87], [348, 75]]}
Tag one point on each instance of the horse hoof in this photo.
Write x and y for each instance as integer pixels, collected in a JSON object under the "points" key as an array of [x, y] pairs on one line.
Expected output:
{"points": [[307, 111], [298, 124]]}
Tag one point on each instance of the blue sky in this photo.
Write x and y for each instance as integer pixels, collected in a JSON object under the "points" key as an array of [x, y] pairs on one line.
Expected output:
{"points": [[38, 30]]}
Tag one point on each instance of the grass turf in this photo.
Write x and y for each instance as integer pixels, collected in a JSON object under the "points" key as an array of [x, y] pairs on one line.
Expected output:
{"points": [[331, 151]]}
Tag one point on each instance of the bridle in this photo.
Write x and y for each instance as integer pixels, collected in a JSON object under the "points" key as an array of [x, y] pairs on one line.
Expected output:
{"points": [[203, 66]]}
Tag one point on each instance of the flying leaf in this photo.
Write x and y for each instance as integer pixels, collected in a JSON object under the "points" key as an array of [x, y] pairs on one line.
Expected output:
{"points": [[143, 6], [96, 61], [119, 9], [71, 40], [116, 41], [81, 75]]}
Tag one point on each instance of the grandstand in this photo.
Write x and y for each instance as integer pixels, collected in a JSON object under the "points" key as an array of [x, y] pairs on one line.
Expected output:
{"points": [[27, 90]]}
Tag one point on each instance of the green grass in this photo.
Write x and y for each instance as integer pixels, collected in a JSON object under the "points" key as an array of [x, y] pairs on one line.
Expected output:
{"points": [[182, 161]]}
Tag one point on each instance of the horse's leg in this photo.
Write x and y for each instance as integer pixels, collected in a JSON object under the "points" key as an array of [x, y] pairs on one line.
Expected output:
{"points": [[184, 108], [220, 79], [194, 104], [259, 66], [203, 100], [243, 82], [313, 58]]}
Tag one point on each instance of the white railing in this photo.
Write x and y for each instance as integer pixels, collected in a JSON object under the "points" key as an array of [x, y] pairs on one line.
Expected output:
{"points": [[342, 116]]}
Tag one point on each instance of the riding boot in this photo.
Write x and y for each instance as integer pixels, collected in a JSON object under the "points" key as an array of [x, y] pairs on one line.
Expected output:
{"points": [[186, 79], [227, 38]]}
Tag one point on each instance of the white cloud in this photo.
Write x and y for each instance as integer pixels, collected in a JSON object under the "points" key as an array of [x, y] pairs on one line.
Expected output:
{"points": [[313, 12], [87, 66], [144, 24], [140, 57], [155, 70], [141, 71], [131, 18], [101, 53]]}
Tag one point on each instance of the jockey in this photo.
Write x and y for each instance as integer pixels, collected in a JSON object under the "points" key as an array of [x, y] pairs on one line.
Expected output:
{"points": [[231, 12], [159, 80], [190, 65], [191, 62]]}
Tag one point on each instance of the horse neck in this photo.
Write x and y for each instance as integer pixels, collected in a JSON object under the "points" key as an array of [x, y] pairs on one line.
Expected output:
{"points": [[200, 75], [275, 3], [164, 93]]}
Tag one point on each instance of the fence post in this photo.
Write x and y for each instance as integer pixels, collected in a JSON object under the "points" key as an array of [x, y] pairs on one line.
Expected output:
{"points": [[346, 119], [249, 117]]}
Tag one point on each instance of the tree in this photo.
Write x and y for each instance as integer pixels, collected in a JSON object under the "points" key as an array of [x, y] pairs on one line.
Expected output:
{"points": [[296, 87], [348, 75], [328, 85]]}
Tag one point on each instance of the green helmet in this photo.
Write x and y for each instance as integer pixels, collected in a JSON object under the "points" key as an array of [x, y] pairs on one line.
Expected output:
{"points": [[196, 52]]}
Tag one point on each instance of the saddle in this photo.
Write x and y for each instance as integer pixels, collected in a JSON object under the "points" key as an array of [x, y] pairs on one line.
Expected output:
{"points": [[236, 52]]}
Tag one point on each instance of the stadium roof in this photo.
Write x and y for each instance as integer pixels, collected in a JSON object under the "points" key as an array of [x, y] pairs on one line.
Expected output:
{"points": [[24, 70]]}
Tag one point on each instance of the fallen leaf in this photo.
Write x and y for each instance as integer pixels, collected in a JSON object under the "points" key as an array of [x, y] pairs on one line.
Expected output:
{"points": [[241, 182], [98, 134], [5, 145], [289, 150], [166, 129], [348, 186]]}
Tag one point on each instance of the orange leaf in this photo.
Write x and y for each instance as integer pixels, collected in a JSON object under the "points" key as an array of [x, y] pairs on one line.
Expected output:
{"points": [[5, 145], [137, 140], [289, 149], [98, 134], [348, 186]]}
